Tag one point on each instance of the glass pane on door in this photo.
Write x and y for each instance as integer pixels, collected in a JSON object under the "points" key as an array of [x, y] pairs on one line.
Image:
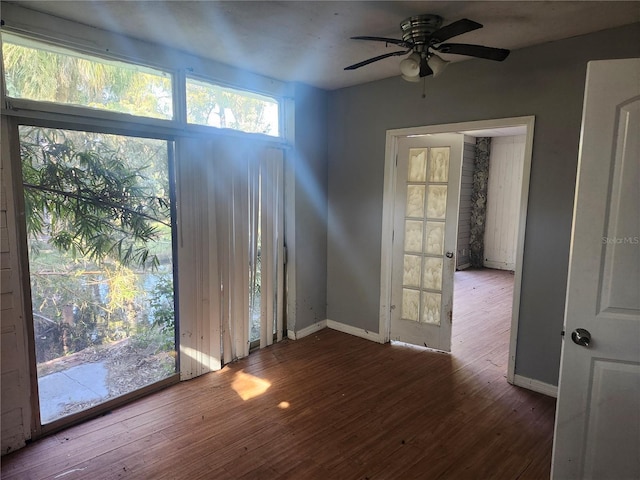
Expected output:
{"points": [[98, 218]]}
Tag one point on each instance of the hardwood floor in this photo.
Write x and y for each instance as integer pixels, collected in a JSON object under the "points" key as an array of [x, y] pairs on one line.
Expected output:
{"points": [[328, 406]]}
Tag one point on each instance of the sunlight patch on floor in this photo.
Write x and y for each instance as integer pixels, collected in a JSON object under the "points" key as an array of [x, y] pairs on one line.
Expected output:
{"points": [[248, 386]]}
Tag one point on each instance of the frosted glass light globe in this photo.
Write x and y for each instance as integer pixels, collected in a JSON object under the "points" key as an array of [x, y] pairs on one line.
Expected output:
{"points": [[437, 64], [410, 66]]}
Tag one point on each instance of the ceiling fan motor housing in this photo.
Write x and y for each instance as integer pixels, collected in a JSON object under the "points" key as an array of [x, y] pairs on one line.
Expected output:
{"points": [[423, 35], [418, 29]]}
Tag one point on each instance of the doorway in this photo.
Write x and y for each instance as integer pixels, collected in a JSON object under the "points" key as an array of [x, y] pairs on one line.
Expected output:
{"points": [[468, 128], [487, 230]]}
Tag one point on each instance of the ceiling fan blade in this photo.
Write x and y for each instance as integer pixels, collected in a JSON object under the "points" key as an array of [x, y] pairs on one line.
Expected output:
{"points": [[395, 41], [375, 59], [454, 29], [425, 69], [480, 51]]}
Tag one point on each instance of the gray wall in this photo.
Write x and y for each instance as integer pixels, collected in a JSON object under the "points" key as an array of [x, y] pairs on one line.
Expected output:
{"points": [[307, 266], [464, 216], [546, 81]]}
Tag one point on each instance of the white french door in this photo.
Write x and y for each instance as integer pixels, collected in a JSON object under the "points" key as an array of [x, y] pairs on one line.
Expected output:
{"points": [[597, 430], [427, 192]]}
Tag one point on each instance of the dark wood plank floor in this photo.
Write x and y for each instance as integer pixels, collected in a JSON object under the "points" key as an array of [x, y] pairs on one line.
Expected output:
{"points": [[336, 407]]}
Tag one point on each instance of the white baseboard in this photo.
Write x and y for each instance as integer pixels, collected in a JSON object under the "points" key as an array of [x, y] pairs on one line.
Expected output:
{"points": [[499, 265], [464, 266], [341, 327], [535, 385], [358, 332], [307, 330]]}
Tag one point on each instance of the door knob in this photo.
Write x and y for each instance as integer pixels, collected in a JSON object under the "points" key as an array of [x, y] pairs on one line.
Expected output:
{"points": [[449, 254], [581, 337]]}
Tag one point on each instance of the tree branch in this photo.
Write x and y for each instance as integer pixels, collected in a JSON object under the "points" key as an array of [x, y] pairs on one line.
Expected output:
{"points": [[94, 201]]}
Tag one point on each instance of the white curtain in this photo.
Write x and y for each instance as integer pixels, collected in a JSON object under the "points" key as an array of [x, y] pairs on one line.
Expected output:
{"points": [[271, 188], [229, 211]]}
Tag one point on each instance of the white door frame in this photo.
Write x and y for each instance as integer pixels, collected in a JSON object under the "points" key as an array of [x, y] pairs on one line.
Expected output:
{"points": [[388, 212]]}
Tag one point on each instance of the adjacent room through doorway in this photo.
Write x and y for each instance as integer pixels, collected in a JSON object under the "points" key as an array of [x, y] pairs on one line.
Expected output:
{"points": [[487, 235], [491, 174]]}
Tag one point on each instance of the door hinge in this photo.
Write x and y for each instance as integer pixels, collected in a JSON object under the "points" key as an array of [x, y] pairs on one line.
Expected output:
{"points": [[285, 255], [396, 159]]}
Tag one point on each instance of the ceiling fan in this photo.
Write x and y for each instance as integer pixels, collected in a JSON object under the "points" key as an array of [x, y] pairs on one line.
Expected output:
{"points": [[422, 36]]}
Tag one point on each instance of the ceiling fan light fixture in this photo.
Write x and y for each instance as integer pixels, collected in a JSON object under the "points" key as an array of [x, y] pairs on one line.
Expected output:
{"points": [[437, 64], [422, 36], [410, 66]]}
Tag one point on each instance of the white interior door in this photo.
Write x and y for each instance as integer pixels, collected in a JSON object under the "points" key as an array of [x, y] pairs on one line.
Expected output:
{"points": [[597, 432], [427, 195]]}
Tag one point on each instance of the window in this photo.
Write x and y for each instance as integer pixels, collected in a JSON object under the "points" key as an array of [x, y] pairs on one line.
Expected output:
{"points": [[100, 219], [99, 232], [36, 71], [223, 107]]}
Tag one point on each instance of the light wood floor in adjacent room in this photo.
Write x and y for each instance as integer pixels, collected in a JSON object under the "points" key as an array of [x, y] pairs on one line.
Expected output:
{"points": [[328, 406]]}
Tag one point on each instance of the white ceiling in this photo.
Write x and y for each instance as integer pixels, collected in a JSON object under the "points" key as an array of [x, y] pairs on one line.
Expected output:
{"points": [[308, 41]]}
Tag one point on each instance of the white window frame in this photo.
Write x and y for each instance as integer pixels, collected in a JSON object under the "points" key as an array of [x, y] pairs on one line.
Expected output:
{"points": [[250, 93]]}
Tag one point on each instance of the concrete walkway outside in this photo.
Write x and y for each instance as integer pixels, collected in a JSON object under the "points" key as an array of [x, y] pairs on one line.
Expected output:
{"points": [[84, 383]]}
